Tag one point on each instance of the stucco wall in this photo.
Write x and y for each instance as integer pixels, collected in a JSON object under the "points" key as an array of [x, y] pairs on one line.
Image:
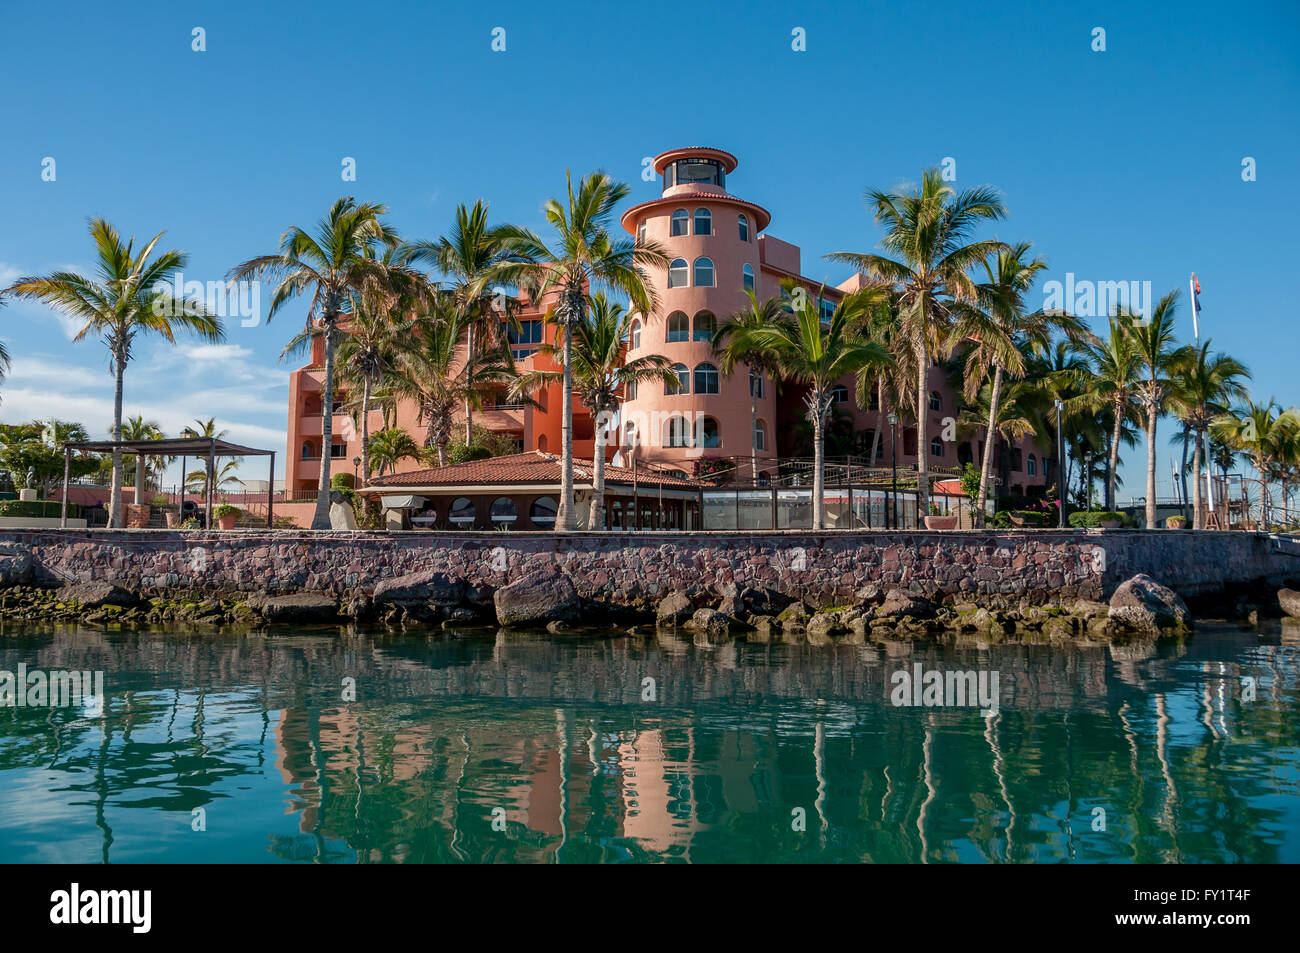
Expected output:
{"points": [[1043, 566]]}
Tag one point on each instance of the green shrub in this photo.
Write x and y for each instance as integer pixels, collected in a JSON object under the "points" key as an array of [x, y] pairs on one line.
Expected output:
{"points": [[191, 523], [226, 509], [1000, 520], [1030, 517], [38, 509], [463, 454], [1091, 519], [342, 481]]}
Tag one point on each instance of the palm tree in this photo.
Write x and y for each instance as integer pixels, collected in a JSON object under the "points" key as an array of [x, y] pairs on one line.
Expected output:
{"points": [[132, 296], [1203, 386], [599, 377], [434, 374], [137, 428], [469, 257], [207, 429], [334, 266], [732, 350], [808, 352], [1152, 339], [390, 447], [928, 231], [583, 260], [1113, 383], [1259, 431]]}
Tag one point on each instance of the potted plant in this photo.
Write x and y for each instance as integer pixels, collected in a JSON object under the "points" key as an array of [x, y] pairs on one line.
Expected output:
{"points": [[937, 520], [1110, 520], [1176, 522], [191, 523], [227, 515]]}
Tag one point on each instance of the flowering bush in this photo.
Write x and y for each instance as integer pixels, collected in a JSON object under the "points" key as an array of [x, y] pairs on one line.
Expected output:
{"points": [[717, 469]]}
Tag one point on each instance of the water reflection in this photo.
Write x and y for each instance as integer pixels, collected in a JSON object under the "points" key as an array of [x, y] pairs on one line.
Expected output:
{"points": [[474, 748]]}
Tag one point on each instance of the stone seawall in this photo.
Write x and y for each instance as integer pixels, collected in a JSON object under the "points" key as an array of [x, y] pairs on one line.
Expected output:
{"points": [[995, 569]]}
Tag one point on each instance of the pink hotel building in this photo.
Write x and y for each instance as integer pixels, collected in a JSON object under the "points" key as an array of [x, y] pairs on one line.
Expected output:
{"points": [[719, 249]]}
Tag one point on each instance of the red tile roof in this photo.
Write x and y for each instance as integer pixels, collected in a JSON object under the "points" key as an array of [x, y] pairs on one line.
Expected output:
{"points": [[531, 468], [761, 215]]}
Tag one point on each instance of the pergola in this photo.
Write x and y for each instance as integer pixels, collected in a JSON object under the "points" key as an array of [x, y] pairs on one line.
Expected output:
{"points": [[202, 448]]}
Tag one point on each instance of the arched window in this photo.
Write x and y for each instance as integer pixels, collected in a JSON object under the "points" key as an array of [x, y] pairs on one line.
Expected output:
{"points": [[760, 435], [541, 443], [306, 451], [747, 277], [706, 379], [503, 511], [705, 325], [630, 438], [704, 272], [708, 433], [542, 512], [679, 327], [703, 222], [676, 431], [936, 400], [683, 385], [840, 394], [755, 384], [743, 223], [461, 514], [681, 222], [936, 447], [1033, 465], [679, 273], [634, 339]]}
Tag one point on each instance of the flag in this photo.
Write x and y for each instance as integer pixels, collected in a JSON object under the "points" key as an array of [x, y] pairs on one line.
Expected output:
{"points": [[1196, 306]]}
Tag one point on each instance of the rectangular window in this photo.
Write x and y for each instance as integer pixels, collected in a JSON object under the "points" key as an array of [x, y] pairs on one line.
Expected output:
{"points": [[338, 450], [524, 341]]}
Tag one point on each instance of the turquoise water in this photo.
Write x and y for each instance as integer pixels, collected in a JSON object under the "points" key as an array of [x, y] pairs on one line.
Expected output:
{"points": [[474, 747]]}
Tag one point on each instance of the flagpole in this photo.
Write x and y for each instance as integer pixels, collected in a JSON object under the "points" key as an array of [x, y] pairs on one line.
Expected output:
{"points": [[1196, 328]]}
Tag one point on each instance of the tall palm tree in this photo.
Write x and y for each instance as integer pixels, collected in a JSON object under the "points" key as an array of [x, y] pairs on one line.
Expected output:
{"points": [[1203, 386], [1153, 348], [390, 447], [469, 258], [434, 374], [1259, 431], [584, 259], [332, 265], [819, 355], [927, 230], [600, 376], [131, 296], [1113, 383], [734, 351], [137, 428]]}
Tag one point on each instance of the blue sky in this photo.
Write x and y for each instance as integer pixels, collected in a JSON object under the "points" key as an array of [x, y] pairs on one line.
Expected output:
{"points": [[1119, 165]]}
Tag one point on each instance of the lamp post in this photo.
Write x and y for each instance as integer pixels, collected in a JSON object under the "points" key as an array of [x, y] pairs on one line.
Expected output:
{"points": [[356, 466], [893, 466], [1060, 463]]}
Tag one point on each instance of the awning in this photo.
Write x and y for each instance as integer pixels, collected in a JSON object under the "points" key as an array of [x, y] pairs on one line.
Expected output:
{"points": [[401, 502]]}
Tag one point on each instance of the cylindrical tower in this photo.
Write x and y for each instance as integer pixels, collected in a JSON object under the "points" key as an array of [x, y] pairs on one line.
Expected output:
{"points": [[711, 238]]}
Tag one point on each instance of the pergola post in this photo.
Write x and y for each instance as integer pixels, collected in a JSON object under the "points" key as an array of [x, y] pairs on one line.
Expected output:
{"points": [[270, 490], [67, 476], [212, 478], [180, 497]]}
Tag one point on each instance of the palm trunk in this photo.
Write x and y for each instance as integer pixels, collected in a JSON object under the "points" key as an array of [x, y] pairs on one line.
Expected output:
{"points": [[597, 519], [753, 433], [365, 429], [1183, 472], [115, 493], [1196, 480], [819, 462], [1113, 463], [988, 445], [469, 379], [922, 443], [880, 420], [321, 518], [1151, 464], [564, 520], [139, 479]]}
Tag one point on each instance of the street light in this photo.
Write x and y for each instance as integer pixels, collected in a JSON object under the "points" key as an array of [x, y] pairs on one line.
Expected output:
{"points": [[893, 465], [356, 464], [1060, 464]]}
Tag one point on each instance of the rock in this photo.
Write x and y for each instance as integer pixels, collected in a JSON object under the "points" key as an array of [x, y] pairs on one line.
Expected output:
{"points": [[710, 623], [674, 610], [420, 589], [539, 597], [870, 595], [97, 593], [1289, 600], [295, 607], [825, 624], [1144, 606], [900, 603], [558, 627], [732, 606], [794, 617], [15, 566], [1088, 610]]}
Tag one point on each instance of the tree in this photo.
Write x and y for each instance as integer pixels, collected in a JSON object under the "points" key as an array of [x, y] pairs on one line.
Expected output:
{"points": [[1203, 386], [1258, 430], [469, 257], [1152, 340], [390, 447], [137, 428], [808, 352], [334, 266], [927, 229], [132, 296], [207, 429], [1113, 384], [38, 447], [584, 259], [599, 377]]}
